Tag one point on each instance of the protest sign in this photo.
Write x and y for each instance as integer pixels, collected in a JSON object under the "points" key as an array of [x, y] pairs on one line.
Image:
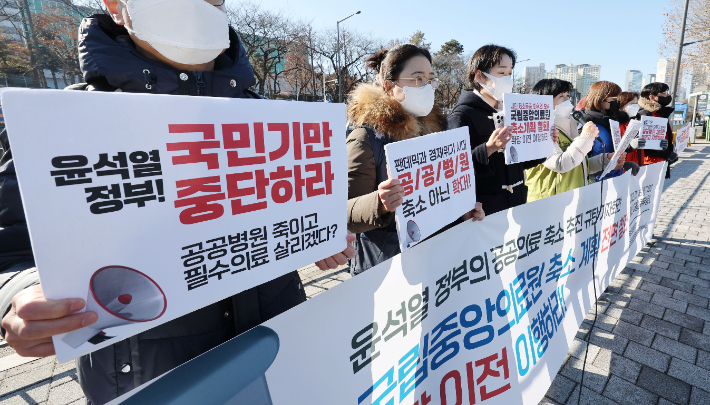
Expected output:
{"points": [[530, 118], [436, 173], [152, 206], [632, 131], [615, 133], [653, 130], [681, 138], [483, 313]]}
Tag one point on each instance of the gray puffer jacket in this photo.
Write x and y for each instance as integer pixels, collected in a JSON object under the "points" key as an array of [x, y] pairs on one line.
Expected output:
{"points": [[110, 62]]}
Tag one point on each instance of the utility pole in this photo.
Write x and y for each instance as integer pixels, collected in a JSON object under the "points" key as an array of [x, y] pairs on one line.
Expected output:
{"points": [[674, 89], [340, 83]]}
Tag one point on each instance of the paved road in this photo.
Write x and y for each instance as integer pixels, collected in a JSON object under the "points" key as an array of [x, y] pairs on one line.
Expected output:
{"points": [[650, 343]]}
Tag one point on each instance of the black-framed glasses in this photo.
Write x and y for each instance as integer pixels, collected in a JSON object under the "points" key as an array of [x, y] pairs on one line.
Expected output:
{"points": [[421, 81]]}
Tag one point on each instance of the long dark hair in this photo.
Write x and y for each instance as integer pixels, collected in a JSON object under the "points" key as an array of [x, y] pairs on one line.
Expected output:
{"points": [[389, 63]]}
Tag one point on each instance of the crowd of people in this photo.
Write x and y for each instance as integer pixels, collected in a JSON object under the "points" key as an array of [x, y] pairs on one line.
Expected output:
{"points": [[116, 49], [400, 105]]}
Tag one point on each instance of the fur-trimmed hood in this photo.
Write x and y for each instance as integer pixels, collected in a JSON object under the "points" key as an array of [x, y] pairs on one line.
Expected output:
{"points": [[370, 106], [649, 105]]}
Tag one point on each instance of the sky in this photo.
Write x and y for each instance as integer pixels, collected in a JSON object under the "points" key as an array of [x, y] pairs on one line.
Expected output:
{"points": [[617, 34]]}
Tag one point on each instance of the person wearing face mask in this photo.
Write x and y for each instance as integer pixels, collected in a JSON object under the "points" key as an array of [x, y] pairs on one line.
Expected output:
{"points": [[399, 105], [654, 102], [498, 186], [569, 167], [600, 105], [180, 47], [629, 104]]}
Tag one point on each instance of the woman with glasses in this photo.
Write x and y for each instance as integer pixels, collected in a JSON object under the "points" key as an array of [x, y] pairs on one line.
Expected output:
{"points": [[498, 186], [398, 106], [602, 102]]}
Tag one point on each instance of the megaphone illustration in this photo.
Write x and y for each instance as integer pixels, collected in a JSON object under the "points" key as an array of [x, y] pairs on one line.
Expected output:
{"points": [[513, 157], [119, 295], [233, 373], [413, 234]]}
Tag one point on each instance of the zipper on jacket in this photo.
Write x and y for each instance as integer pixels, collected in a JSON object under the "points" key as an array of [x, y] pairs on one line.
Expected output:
{"points": [[200, 83]]}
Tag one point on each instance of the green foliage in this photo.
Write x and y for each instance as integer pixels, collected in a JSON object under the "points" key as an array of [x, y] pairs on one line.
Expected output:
{"points": [[418, 39], [452, 47]]}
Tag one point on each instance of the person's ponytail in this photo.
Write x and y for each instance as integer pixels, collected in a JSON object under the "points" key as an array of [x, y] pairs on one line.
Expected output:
{"points": [[389, 63]]}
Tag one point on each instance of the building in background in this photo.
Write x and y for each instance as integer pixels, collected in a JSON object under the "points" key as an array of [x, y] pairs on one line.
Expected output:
{"points": [[581, 76], [14, 24], [532, 75], [587, 75], [699, 77], [648, 79], [634, 79], [563, 72], [664, 70]]}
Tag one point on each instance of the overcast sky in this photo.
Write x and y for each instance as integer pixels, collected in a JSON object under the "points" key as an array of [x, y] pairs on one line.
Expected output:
{"points": [[616, 34]]}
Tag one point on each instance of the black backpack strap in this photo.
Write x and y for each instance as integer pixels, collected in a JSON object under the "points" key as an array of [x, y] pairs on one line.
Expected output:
{"points": [[377, 149]]}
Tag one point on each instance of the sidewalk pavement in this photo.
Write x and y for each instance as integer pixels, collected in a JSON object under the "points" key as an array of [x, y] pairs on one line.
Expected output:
{"points": [[650, 343]]}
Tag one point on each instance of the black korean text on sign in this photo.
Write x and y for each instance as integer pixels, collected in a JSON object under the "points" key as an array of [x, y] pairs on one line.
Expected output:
{"points": [[76, 169]]}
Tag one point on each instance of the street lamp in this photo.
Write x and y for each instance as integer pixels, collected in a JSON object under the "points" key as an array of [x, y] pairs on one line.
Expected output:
{"points": [[340, 84], [513, 72]]}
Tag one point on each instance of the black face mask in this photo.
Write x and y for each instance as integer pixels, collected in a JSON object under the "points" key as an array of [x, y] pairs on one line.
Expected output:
{"points": [[664, 100], [613, 108]]}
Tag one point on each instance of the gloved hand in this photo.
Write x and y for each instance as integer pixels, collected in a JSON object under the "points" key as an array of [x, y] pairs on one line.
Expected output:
{"points": [[664, 144], [637, 143], [633, 167]]}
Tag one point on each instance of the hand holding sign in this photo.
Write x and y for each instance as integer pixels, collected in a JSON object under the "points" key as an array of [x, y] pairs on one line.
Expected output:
{"points": [[391, 193], [530, 119], [498, 140], [618, 158], [435, 183]]}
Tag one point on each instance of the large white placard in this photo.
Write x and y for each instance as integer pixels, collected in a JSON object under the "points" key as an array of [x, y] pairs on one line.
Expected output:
{"points": [[653, 130], [681, 138], [615, 133], [436, 173], [483, 313], [151, 207], [530, 118], [632, 131]]}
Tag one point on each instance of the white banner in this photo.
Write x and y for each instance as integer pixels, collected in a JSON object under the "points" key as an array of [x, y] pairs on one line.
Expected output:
{"points": [[483, 313], [530, 118], [653, 131], [681, 138], [151, 207], [436, 173], [615, 133]]}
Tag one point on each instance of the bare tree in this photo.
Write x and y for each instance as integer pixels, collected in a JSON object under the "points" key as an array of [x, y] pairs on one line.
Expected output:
{"points": [[354, 49], [267, 36], [697, 28]]}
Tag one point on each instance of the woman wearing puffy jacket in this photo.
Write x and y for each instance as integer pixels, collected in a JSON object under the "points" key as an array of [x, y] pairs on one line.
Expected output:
{"points": [[569, 167], [601, 105], [398, 106]]}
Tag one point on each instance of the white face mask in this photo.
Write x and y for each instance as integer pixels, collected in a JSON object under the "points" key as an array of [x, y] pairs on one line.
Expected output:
{"points": [[418, 101], [190, 32], [632, 110], [563, 110], [501, 85]]}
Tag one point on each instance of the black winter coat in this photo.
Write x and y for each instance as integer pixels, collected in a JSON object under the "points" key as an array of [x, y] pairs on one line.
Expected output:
{"points": [[109, 62], [492, 174]]}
